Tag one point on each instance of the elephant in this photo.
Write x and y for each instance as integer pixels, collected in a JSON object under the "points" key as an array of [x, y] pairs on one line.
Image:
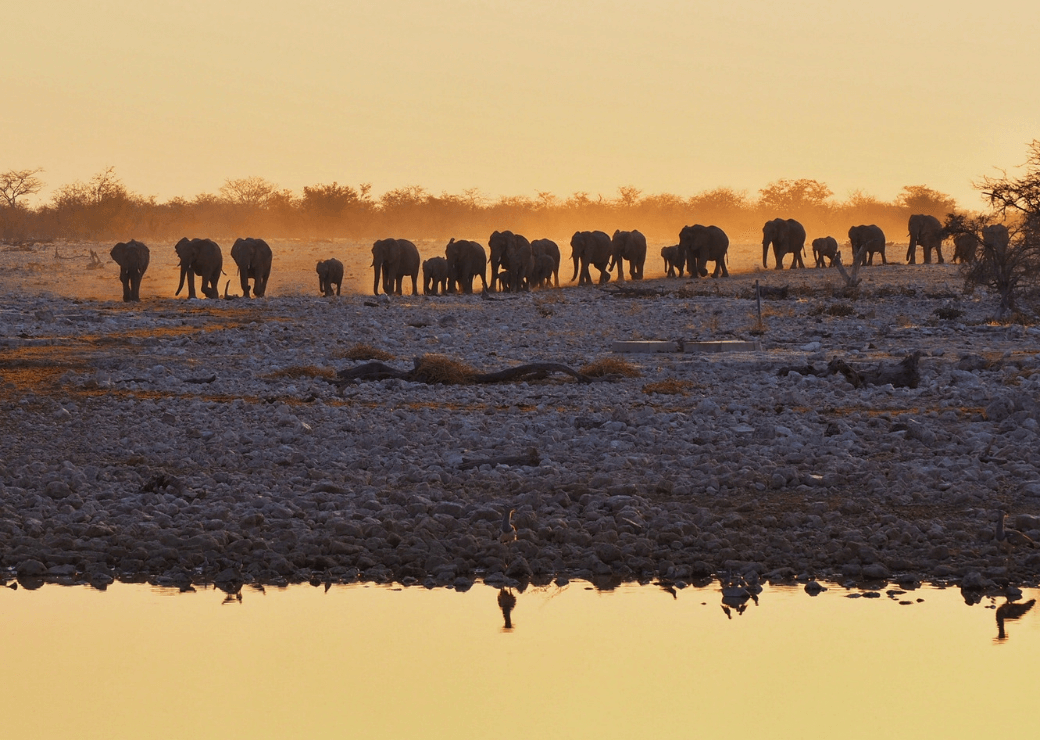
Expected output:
{"points": [[997, 238], [500, 243], [132, 258], [965, 247], [518, 262], [395, 258], [870, 239], [200, 257], [466, 260], [787, 237], [701, 244], [435, 274], [591, 248], [330, 272], [543, 269], [631, 246], [826, 247], [551, 249], [674, 260], [928, 232], [253, 257]]}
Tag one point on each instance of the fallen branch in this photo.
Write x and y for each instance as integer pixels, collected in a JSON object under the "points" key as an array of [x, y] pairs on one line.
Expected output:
{"points": [[531, 458], [904, 374], [432, 369]]}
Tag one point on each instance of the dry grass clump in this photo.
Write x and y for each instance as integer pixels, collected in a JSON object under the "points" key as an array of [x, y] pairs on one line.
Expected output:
{"points": [[670, 387], [609, 366], [362, 351], [304, 371], [444, 370], [834, 309]]}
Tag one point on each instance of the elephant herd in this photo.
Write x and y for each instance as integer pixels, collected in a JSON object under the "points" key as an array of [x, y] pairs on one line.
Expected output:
{"points": [[517, 264], [512, 261], [197, 257], [788, 237]]}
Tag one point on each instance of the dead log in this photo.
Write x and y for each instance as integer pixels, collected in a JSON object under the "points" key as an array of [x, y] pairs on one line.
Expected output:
{"points": [[904, 374], [531, 458], [532, 371], [451, 373]]}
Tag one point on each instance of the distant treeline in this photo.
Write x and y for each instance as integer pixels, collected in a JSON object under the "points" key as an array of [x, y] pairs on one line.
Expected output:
{"points": [[104, 209]]}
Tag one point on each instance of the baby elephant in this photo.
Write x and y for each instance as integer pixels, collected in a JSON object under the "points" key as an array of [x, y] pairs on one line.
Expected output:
{"points": [[673, 260], [435, 276], [329, 272], [826, 246], [542, 272]]}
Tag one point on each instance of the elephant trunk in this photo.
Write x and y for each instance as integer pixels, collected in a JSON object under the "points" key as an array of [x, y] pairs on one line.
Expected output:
{"points": [[575, 257], [765, 252], [184, 272], [375, 282]]}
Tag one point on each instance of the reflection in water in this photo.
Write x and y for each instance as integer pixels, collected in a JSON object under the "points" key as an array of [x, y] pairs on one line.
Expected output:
{"points": [[1008, 611], [736, 592], [139, 661], [506, 602]]}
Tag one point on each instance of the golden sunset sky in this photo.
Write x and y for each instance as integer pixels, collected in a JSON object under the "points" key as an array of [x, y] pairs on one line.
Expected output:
{"points": [[513, 98]]}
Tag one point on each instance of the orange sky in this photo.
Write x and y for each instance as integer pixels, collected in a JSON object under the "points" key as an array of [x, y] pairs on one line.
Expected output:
{"points": [[514, 98]]}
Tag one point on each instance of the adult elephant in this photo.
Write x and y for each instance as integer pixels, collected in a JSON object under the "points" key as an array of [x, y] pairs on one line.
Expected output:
{"points": [[518, 262], [928, 232], [787, 236], [393, 259], [466, 260], [866, 241], [674, 260], [547, 248], [499, 244], [996, 238], [630, 246], [253, 257], [330, 272], [702, 244], [132, 258], [826, 247], [200, 257], [591, 248], [435, 276]]}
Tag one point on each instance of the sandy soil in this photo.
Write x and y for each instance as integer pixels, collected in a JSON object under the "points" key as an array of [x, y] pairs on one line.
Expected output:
{"points": [[208, 441]]}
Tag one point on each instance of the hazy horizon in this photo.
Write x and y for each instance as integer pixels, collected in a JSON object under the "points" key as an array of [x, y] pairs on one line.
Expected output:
{"points": [[510, 99]]}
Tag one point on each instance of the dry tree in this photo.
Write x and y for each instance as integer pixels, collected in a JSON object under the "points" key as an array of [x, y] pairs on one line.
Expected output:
{"points": [[1008, 262]]}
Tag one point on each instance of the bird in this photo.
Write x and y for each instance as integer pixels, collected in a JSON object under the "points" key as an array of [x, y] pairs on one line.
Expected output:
{"points": [[1009, 611], [1009, 538], [508, 530]]}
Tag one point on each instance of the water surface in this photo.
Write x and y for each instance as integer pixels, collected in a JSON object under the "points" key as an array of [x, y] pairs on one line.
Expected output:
{"points": [[379, 662]]}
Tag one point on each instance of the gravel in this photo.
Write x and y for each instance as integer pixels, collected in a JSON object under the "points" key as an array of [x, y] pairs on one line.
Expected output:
{"points": [[206, 441]]}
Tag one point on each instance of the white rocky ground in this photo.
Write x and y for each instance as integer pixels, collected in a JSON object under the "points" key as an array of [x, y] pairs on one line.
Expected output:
{"points": [[117, 464]]}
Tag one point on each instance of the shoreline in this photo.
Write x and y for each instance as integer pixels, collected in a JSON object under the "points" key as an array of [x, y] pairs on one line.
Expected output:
{"points": [[204, 442]]}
